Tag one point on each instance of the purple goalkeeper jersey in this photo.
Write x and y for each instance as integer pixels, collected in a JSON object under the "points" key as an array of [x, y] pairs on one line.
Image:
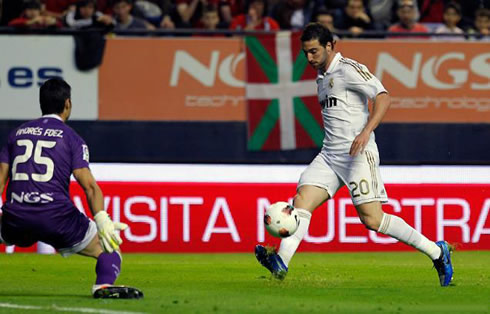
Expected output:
{"points": [[42, 155]]}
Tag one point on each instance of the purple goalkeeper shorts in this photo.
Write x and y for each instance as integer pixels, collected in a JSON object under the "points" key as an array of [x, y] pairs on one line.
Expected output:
{"points": [[61, 227]]}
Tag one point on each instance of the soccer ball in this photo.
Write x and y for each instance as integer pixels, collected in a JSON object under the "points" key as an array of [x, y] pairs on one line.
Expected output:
{"points": [[281, 220]]}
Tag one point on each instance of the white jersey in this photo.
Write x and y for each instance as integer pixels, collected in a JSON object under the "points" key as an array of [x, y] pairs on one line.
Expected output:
{"points": [[343, 92]]}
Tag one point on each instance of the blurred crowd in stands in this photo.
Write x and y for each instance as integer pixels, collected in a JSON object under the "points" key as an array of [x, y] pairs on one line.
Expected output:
{"points": [[351, 17]]}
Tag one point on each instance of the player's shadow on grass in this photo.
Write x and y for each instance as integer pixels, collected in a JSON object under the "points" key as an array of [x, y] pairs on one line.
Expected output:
{"points": [[31, 294]]}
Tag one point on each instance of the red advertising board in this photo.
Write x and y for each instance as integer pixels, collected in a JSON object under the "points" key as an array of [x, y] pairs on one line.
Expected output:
{"points": [[227, 217], [219, 208]]}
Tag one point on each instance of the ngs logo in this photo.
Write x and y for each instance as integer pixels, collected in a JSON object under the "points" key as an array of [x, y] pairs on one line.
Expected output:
{"points": [[25, 77]]}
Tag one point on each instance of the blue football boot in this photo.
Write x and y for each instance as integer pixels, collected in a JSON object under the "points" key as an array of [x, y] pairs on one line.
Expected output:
{"points": [[443, 264], [272, 261]]}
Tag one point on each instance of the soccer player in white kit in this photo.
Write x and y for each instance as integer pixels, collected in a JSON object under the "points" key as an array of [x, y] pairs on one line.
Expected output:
{"points": [[349, 156]]}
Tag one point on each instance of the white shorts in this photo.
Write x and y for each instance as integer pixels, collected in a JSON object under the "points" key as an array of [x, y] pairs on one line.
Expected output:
{"points": [[361, 175]]}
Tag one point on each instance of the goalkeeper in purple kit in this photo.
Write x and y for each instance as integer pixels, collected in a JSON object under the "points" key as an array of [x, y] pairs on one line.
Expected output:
{"points": [[37, 162]]}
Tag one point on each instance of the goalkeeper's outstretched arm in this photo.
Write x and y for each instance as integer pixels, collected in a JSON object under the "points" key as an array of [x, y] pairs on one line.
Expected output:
{"points": [[105, 227], [4, 174]]}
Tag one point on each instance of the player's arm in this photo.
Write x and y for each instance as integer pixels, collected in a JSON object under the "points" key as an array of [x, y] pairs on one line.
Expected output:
{"points": [[4, 173], [381, 105], [92, 190], [360, 80], [105, 227]]}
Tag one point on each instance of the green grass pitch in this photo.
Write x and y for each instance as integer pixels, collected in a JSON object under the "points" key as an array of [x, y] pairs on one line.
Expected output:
{"points": [[401, 282]]}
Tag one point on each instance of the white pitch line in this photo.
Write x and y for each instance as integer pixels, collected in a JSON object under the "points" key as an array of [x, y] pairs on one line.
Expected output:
{"points": [[65, 309]]}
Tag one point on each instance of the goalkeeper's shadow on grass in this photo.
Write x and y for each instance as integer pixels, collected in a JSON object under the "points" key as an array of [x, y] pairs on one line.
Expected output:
{"points": [[30, 294]]}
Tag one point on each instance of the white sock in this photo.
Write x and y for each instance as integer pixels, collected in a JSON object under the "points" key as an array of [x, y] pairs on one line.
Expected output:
{"points": [[397, 228], [290, 244]]}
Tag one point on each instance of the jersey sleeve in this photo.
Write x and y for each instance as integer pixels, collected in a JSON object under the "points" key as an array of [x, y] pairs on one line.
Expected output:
{"points": [[359, 79], [4, 152], [79, 153], [4, 155]]}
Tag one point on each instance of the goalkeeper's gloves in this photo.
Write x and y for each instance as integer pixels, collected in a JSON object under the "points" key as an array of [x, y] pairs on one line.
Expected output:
{"points": [[107, 231]]}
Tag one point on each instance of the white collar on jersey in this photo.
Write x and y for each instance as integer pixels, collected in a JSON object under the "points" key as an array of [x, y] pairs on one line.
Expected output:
{"points": [[331, 66], [52, 115]]}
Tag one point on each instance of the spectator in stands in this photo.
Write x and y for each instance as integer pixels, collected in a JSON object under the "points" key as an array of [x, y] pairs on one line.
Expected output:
{"points": [[452, 16], [190, 11], [104, 6], [409, 2], [167, 22], [481, 28], [469, 9], [324, 17], [166, 6], [10, 9], [85, 16], [431, 11], [237, 7], [124, 19], [332, 4], [408, 22], [227, 9], [353, 18], [157, 12], [382, 12], [31, 17], [58, 8], [293, 14], [210, 20], [255, 19]]}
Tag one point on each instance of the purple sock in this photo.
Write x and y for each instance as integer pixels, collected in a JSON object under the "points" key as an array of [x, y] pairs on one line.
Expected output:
{"points": [[108, 268]]}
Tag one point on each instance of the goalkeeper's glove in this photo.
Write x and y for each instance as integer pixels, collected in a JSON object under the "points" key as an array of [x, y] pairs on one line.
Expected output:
{"points": [[107, 231]]}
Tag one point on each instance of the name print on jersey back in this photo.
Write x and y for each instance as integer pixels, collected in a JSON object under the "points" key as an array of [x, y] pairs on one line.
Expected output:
{"points": [[38, 131], [42, 154]]}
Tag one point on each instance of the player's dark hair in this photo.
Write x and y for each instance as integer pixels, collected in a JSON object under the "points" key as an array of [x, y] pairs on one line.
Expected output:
{"points": [[53, 94], [317, 31]]}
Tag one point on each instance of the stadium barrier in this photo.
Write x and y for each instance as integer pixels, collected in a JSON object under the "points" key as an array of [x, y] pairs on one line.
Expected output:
{"points": [[226, 142], [219, 208]]}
